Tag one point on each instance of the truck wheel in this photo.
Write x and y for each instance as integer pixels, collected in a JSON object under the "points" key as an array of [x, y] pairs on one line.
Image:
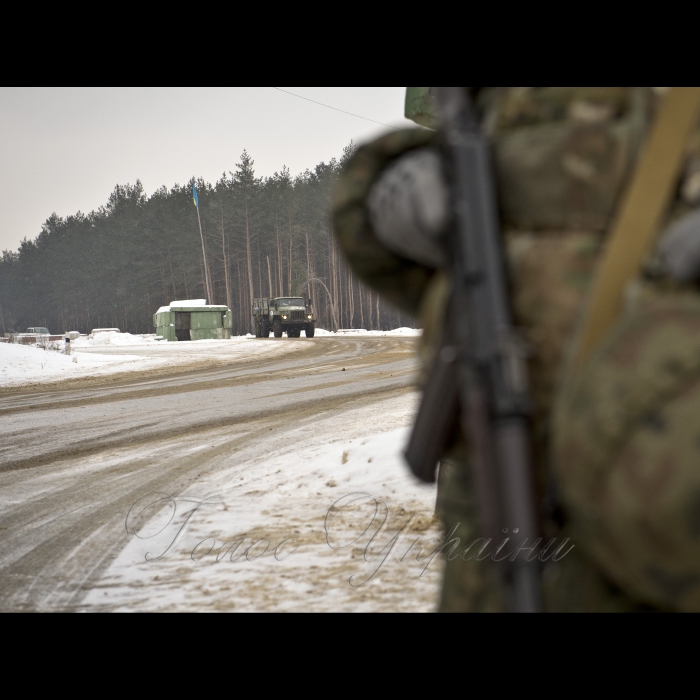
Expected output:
{"points": [[310, 331], [277, 328], [266, 329]]}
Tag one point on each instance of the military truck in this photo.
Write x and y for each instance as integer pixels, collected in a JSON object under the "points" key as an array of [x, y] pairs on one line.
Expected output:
{"points": [[290, 315]]}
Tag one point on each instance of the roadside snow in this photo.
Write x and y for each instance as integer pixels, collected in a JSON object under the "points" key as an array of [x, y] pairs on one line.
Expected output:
{"points": [[121, 339], [113, 338], [343, 332], [28, 364], [289, 528], [20, 364]]}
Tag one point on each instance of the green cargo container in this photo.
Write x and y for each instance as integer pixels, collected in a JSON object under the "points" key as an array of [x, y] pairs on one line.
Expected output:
{"points": [[183, 321]]}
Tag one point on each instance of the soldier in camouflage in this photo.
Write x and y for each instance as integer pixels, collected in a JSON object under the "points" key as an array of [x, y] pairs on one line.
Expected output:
{"points": [[616, 444]]}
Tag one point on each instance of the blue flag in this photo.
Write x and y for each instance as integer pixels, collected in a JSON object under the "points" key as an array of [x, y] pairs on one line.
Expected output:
{"points": [[194, 195]]}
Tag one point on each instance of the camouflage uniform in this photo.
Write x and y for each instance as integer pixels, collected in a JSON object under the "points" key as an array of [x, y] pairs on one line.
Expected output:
{"points": [[617, 444]]}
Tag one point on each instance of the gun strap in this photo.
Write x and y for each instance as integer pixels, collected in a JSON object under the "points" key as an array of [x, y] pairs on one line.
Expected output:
{"points": [[639, 217]]}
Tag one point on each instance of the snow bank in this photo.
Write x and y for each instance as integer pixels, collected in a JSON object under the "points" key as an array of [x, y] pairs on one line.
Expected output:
{"points": [[351, 332], [29, 358], [27, 364], [112, 338], [115, 353], [398, 331], [20, 364], [123, 339]]}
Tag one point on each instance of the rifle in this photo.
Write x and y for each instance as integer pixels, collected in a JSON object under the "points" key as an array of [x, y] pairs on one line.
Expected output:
{"points": [[479, 370]]}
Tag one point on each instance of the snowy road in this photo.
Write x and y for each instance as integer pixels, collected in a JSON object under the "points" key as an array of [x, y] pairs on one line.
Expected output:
{"points": [[272, 440]]}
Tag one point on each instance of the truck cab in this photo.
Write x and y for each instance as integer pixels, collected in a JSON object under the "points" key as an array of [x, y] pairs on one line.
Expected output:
{"points": [[290, 315]]}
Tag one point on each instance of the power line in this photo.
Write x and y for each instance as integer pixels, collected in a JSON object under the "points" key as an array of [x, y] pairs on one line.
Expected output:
{"points": [[335, 108]]}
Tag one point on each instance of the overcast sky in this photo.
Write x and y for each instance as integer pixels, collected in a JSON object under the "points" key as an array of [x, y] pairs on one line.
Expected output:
{"points": [[64, 149]]}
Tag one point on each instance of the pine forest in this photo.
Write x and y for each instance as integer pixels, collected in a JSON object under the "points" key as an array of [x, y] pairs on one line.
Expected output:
{"points": [[116, 266]]}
